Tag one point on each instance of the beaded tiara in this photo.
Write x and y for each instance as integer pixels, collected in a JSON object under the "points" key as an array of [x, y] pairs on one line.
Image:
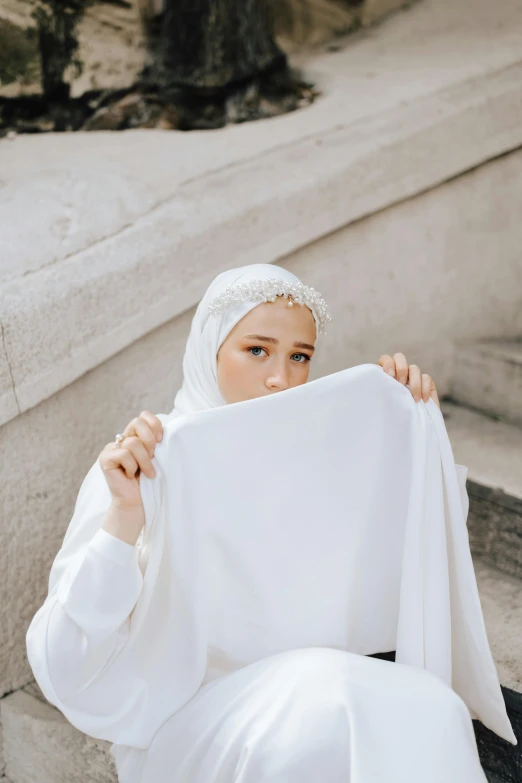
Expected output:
{"points": [[267, 290]]}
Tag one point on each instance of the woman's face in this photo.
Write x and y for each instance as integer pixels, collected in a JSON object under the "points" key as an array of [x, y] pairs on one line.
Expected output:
{"points": [[267, 351]]}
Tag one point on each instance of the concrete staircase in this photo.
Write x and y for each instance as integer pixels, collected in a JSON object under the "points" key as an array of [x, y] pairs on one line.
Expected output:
{"points": [[483, 416], [490, 378]]}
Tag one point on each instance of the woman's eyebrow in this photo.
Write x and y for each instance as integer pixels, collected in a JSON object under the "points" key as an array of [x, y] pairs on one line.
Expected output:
{"points": [[276, 342]]}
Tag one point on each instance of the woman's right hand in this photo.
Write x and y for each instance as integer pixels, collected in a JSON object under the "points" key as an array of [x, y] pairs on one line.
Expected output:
{"points": [[122, 465]]}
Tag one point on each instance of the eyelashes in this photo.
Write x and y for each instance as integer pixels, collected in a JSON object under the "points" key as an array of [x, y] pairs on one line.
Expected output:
{"points": [[255, 347]]}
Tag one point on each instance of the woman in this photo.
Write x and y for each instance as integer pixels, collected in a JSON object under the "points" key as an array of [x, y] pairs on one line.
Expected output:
{"points": [[303, 715]]}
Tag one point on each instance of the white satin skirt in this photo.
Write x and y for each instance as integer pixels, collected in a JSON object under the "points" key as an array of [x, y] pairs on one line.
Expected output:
{"points": [[313, 715]]}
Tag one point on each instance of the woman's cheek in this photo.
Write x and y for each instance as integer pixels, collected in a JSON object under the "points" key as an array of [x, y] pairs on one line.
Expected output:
{"points": [[242, 359], [241, 365]]}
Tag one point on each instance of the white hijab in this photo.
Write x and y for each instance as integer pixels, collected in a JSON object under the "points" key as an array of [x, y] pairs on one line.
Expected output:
{"points": [[200, 389], [355, 538]]}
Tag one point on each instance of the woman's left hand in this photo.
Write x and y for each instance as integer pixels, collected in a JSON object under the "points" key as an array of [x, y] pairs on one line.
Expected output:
{"points": [[421, 384]]}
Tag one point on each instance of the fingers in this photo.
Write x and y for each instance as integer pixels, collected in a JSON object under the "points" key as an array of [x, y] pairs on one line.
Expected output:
{"points": [[415, 381], [401, 367], [387, 363], [432, 391], [124, 459], [395, 365], [139, 451], [141, 428], [131, 457], [154, 423], [426, 383], [421, 384], [113, 458], [141, 437]]}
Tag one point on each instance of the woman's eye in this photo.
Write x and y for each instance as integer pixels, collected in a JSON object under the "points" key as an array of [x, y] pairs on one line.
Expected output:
{"points": [[305, 357]]}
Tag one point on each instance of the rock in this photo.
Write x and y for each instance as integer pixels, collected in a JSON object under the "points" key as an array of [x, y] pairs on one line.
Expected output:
{"points": [[169, 119], [113, 38], [112, 47], [116, 116]]}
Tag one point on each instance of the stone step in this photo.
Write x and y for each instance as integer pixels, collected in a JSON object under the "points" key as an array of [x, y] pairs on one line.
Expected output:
{"points": [[492, 450], [41, 746], [488, 377], [501, 600]]}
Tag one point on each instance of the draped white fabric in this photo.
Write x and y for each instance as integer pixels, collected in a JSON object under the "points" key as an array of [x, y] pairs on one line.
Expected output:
{"points": [[327, 515], [286, 538], [313, 714]]}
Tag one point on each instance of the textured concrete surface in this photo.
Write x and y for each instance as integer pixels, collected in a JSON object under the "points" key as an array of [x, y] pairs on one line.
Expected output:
{"points": [[490, 377], [177, 208], [380, 70], [42, 747], [495, 527], [51, 448], [375, 9], [501, 601], [419, 276], [491, 449], [2, 760], [70, 316]]}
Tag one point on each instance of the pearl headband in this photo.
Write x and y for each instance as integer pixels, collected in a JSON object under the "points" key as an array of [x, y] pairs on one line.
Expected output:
{"points": [[267, 290]]}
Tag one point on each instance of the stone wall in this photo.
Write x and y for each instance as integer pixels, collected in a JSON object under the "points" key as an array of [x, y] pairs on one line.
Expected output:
{"points": [[113, 47], [440, 267]]}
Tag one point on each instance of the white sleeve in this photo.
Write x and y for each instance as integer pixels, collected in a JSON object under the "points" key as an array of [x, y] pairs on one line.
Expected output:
{"points": [[85, 620], [462, 474]]}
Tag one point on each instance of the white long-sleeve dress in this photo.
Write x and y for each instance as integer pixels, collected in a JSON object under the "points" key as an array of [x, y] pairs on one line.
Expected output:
{"points": [[306, 713], [312, 714]]}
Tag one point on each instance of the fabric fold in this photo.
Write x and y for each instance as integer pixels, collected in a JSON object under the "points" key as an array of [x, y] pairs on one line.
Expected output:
{"points": [[330, 514]]}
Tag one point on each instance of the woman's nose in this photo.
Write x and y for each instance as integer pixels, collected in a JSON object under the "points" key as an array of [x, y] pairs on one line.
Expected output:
{"points": [[277, 380]]}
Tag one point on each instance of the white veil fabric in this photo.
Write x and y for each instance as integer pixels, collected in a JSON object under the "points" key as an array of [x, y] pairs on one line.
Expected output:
{"points": [[328, 514], [199, 389]]}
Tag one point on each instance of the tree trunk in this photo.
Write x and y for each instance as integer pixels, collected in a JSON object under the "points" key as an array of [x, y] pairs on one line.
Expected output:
{"points": [[210, 45]]}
